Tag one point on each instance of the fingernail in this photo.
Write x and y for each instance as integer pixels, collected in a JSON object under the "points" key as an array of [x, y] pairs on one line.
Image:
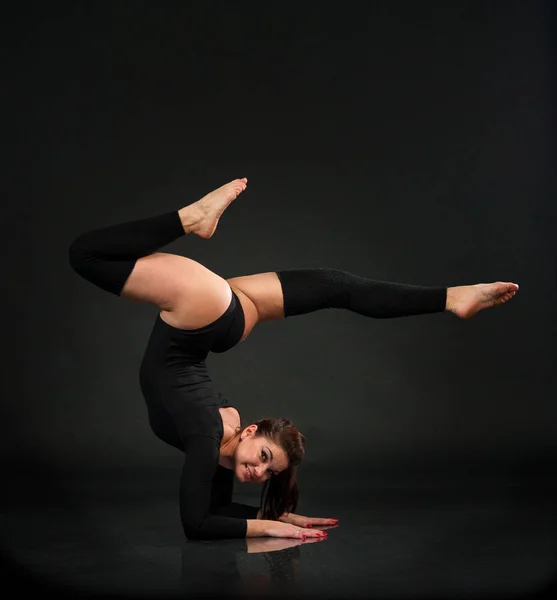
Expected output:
{"points": [[309, 525]]}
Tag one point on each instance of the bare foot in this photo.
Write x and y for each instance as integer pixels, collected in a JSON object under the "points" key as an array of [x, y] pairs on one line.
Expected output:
{"points": [[467, 300], [202, 216]]}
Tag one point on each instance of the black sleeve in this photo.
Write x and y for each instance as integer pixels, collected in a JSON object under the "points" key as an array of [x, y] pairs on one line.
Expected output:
{"points": [[237, 510], [107, 256], [198, 473], [221, 497]]}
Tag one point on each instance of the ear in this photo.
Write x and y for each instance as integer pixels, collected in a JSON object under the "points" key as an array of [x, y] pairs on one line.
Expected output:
{"points": [[249, 431]]}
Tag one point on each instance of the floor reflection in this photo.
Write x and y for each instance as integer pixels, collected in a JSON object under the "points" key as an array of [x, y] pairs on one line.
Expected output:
{"points": [[250, 566], [253, 566]]}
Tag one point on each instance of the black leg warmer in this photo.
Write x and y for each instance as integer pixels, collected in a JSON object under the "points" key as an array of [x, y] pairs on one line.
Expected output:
{"points": [[107, 256], [308, 290]]}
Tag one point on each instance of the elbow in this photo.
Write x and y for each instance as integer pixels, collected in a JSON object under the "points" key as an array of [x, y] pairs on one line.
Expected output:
{"points": [[194, 530]]}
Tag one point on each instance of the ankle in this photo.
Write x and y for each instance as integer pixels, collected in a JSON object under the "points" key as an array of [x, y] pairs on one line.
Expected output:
{"points": [[190, 218]]}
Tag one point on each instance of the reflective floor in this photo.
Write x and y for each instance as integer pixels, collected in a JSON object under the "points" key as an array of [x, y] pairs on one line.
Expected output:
{"points": [[117, 533]]}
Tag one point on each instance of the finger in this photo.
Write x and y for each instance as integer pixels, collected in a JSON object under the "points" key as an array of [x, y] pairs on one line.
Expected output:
{"points": [[300, 533], [318, 525], [315, 533], [322, 521], [303, 533]]}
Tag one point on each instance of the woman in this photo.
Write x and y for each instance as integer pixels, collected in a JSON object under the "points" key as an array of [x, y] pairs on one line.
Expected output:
{"points": [[199, 312]]}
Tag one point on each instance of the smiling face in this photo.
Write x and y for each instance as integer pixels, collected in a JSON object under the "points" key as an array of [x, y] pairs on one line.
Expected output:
{"points": [[257, 458]]}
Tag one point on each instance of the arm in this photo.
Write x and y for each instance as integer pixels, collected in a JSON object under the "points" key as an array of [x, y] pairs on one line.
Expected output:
{"points": [[221, 505], [200, 520], [258, 528], [237, 510], [221, 497]]}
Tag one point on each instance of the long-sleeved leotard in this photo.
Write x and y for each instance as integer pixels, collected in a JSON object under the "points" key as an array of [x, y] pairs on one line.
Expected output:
{"points": [[182, 404]]}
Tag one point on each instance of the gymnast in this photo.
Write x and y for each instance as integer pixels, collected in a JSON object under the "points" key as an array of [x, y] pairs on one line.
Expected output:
{"points": [[199, 312]]}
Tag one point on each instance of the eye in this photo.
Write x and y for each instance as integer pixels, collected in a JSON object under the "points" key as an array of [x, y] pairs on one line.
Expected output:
{"points": [[264, 457]]}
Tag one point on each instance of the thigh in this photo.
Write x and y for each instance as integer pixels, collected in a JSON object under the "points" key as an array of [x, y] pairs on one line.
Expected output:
{"points": [[189, 295], [261, 297]]}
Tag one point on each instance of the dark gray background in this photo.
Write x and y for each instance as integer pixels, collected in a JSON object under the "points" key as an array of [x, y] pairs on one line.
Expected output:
{"points": [[398, 140]]}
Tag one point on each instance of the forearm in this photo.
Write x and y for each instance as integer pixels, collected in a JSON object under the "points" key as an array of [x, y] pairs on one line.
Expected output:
{"points": [[257, 527], [238, 510]]}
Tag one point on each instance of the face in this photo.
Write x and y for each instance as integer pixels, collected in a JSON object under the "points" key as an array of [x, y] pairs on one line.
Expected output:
{"points": [[257, 458]]}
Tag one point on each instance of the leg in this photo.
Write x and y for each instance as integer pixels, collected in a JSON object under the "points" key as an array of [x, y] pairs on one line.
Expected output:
{"points": [[194, 296], [188, 294], [121, 259], [295, 292], [263, 292], [261, 298]]}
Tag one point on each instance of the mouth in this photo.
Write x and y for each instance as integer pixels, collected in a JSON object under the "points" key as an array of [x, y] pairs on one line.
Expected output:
{"points": [[247, 473]]}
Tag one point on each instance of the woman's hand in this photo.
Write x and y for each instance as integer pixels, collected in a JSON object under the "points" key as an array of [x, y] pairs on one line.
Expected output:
{"points": [[307, 522], [278, 529]]}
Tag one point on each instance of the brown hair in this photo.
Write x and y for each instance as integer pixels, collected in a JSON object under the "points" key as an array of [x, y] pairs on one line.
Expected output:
{"points": [[280, 492]]}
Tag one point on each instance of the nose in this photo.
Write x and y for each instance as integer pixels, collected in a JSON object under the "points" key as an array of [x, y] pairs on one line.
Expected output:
{"points": [[258, 471]]}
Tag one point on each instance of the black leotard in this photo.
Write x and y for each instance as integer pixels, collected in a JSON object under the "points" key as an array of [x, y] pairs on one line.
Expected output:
{"points": [[182, 404], [183, 409]]}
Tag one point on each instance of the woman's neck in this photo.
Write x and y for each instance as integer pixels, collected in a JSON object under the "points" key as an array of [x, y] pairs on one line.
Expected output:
{"points": [[231, 436]]}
